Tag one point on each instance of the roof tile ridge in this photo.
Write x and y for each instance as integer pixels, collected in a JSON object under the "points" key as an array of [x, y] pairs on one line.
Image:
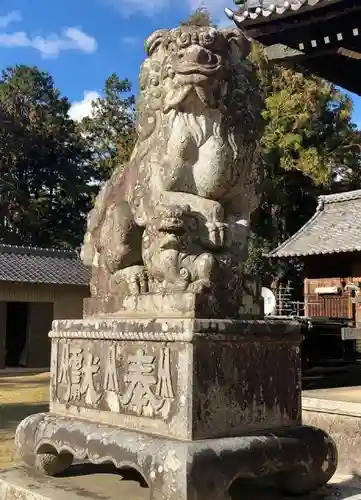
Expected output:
{"points": [[292, 238], [37, 251], [277, 7], [340, 197]]}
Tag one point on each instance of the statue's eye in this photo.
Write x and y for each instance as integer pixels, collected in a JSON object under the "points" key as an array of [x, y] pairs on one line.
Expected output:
{"points": [[184, 40]]}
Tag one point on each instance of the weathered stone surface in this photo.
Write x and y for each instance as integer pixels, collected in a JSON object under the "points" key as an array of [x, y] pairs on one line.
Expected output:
{"points": [[187, 379], [169, 221], [245, 303], [300, 459]]}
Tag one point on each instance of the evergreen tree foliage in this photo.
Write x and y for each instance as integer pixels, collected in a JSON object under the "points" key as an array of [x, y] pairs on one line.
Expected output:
{"points": [[109, 130], [46, 180]]}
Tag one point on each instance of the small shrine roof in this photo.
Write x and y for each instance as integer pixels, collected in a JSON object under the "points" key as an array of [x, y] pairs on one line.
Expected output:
{"points": [[41, 265], [334, 228]]}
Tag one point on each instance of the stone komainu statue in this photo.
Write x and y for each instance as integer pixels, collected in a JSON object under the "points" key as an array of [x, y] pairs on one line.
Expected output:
{"points": [[169, 220]]}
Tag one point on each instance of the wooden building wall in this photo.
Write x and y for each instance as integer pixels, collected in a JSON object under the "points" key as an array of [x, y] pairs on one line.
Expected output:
{"points": [[329, 306], [336, 270], [47, 302]]}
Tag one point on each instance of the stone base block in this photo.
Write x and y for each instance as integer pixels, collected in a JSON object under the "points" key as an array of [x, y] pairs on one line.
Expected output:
{"points": [[299, 459], [247, 305], [180, 378]]}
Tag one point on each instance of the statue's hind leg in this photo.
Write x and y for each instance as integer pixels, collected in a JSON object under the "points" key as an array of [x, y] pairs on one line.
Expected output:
{"points": [[120, 262]]}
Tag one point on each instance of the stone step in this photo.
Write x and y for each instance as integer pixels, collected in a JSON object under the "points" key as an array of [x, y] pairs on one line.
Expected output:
{"points": [[104, 483], [338, 412]]}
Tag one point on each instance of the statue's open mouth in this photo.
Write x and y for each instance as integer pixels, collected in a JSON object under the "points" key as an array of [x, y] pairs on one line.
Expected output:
{"points": [[193, 77], [209, 70], [172, 224], [203, 75]]}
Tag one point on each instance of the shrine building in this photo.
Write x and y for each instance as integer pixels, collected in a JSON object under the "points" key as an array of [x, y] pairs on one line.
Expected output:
{"points": [[322, 37], [36, 286], [329, 245]]}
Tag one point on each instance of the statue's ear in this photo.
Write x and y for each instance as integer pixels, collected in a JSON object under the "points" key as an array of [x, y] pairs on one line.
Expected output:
{"points": [[239, 39], [154, 40]]}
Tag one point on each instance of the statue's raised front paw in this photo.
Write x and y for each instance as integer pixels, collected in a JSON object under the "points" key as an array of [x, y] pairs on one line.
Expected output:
{"points": [[217, 235], [135, 277]]}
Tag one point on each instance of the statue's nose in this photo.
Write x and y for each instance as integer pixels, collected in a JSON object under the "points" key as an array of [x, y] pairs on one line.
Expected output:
{"points": [[198, 55]]}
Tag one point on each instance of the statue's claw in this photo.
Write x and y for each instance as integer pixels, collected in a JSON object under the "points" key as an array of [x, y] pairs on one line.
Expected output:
{"points": [[218, 235], [135, 277]]}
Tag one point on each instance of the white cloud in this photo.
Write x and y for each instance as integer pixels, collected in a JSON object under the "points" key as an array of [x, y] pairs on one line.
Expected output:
{"points": [[84, 42], [80, 109], [12, 17], [53, 44]]}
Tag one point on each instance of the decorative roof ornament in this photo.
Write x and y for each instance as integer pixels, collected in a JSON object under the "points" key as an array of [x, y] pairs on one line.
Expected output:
{"points": [[252, 9]]}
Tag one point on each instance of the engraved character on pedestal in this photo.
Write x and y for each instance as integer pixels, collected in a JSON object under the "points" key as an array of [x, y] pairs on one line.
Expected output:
{"points": [[148, 389]]}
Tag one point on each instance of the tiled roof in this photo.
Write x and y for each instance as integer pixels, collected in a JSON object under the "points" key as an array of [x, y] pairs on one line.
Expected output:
{"points": [[334, 228], [253, 9], [40, 265]]}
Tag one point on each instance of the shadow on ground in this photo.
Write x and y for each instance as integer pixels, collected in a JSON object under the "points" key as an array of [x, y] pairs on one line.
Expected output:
{"points": [[20, 373], [131, 482], [12, 413], [14, 384]]}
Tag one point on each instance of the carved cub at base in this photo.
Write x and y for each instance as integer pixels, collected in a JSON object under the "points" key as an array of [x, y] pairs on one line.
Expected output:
{"points": [[167, 220]]}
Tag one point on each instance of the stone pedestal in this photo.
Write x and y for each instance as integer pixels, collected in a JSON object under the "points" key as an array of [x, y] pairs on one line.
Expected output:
{"points": [[190, 403]]}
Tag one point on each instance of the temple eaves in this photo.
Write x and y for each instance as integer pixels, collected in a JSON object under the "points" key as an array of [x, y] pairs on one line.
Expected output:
{"points": [[319, 36]]}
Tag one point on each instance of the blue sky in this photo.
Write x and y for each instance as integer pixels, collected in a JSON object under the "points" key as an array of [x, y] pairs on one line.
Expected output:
{"points": [[81, 42]]}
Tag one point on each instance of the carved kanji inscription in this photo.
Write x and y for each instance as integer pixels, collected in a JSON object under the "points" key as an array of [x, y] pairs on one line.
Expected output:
{"points": [[140, 376], [91, 367], [115, 377]]}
